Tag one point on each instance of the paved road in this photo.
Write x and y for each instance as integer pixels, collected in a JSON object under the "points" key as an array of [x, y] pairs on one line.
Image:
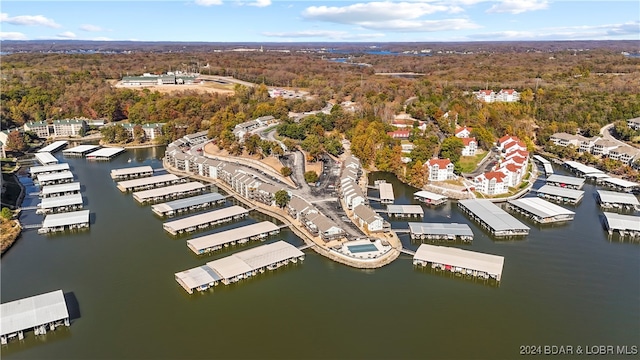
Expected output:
{"points": [[605, 131]]}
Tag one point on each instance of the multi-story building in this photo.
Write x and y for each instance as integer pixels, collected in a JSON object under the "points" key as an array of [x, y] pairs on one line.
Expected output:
{"points": [[463, 132], [470, 146], [440, 169], [368, 219], [492, 183], [507, 95], [625, 154], [634, 123], [603, 147], [487, 96], [40, 128], [69, 127]]}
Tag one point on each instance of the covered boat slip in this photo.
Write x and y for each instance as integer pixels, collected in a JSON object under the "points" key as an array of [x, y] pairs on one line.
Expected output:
{"points": [[241, 235], [405, 210], [492, 218], [619, 184], [541, 159], [132, 172], [60, 204], [540, 211], [48, 169], [79, 150], [205, 220], [106, 154], [200, 278], [45, 158], [566, 181], [61, 222], [386, 193], [198, 202], [460, 261], [150, 182], [37, 312], [548, 169], [584, 170], [169, 192], [440, 231], [617, 200], [55, 178], [559, 194], [60, 190], [625, 225], [430, 198], [54, 146]]}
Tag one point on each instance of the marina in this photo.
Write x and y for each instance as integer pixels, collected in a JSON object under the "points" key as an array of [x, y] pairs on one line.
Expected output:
{"points": [[386, 193], [241, 235], [60, 190], [54, 146], [131, 172], [48, 169], [45, 158], [460, 261], [169, 192], [540, 210], [562, 195], [37, 313], [150, 182], [105, 154], [197, 202], [568, 182], [492, 218], [548, 168], [60, 204], [441, 231], [430, 198], [65, 221], [619, 184], [625, 225], [617, 200], [202, 221], [405, 211], [584, 170], [80, 150], [55, 178]]}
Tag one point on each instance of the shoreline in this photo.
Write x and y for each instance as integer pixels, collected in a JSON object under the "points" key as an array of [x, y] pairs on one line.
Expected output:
{"points": [[16, 218]]}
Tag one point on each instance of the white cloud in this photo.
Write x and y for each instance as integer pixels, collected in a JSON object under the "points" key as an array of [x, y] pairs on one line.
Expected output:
{"points": [[12, 36], [29, 20], [66, 35], [90, 28], [327, 34], [372, 12], [102, 38], [260, 3], [518, 6], [208, 2], [628, 30], [421, 25]]}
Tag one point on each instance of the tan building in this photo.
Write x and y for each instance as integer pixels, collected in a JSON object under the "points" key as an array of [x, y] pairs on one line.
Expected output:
{"points": [[69, 127]]}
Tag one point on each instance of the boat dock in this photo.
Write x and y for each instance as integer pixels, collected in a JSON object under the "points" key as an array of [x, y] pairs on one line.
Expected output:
{"points": [[559, 194], [205, 220], [169, 192], [405, 211], [625, 225], [63, 221], [619, 184], [440, 231], [241, 265], [242, 235], [583, 170], [45, 158], [568, 182], [105, 154], [39, 312], [198, 202], [60, 190], [492, 218], [548, 169], [80, 150], [131, 173], [460, 261], [55, 178], [540, 210], [617, 200], [150, 182], [48, 169], [54, 146], [386, 193], [60, 204], [430, 198]]}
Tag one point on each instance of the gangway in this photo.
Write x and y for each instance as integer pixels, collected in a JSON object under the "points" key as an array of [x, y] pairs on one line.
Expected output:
{"points": [[305, 246], [408, 252], [31, 226]]}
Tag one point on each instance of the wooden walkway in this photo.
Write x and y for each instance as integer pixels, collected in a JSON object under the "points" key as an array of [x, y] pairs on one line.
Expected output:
{"points": [[29, 208], [305, 246], [408, 252], [401, 231], [31, 226]]}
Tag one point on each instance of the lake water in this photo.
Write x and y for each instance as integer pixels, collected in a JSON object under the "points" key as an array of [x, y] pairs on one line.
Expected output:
{"points": [[561, 285]]}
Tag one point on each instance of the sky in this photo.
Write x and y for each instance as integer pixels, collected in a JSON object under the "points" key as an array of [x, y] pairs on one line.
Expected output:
{"points": [[320, 21]]}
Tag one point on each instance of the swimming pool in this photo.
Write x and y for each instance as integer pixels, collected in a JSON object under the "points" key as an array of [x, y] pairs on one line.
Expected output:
{"points": [[362, 248]]}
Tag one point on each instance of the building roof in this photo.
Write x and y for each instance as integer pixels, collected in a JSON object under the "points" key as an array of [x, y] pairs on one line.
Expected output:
{"points": [[151, 180], [606, 143], [65, 219], [467, 141], [405, 209], [187, 202], [33, 311], [440, 229], [507, 91], [106, 152], [386, 191], [634, 120], [68, 121], [458, 131], [512, 167], [493, 215], [485, 92], [559, 191], [622, 222], [45, 158], [366, 214], [582, 168], [561, 179], [34, 170], [429, 195], [131, 170], [208, 241], [201, 275], [163, 191], [497, 175], [620, 182], [55, 176], [442, 163], [58, 188], [203, 218], [540, 207], [56, 145], [613, 197], [57, 201], [541, 159], [491, 264], [80, 149]]}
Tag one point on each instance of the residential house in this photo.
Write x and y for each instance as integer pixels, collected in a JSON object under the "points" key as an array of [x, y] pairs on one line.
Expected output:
{"points": [[368, 219], [514, 174], [266, 193], [564, 139], [40, 128], [407, 147], [297, 206], [400, 134], [246, 127], [512, 146], [321, 225], [470, 146], [440, 169], [196, 138], [487, 96], [634, 123], [625, 154], [507, 95], [491, 183], [505, 140], [69, 127], [604, 146], [463, 132], [151, 131]]}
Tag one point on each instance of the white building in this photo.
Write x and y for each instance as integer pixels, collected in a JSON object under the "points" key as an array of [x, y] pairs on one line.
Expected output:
{"points": [[463, 132], [69, 127], [492, 183], [604, 146], [440, 169], [470, 146], [634, 123], [40, 128], [368, 219], [507, 95]]}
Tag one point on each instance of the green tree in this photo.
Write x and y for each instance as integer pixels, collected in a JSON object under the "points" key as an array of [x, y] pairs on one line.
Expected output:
{"points": [[282, 198], [6, 213], [310, 177], [452, 149], [138, 134], [313, 146], [15, 141], [591, 129], [285, 171]]}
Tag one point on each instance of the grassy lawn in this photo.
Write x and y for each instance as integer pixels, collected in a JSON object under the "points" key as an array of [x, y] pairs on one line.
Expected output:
{"points": [[470, 163]]}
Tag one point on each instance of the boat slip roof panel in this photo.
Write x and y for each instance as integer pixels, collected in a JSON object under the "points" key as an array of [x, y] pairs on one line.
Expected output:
{"points": [[622, 222], [55, 176], [620, 182], [559, 191], [188, 202], [221, 238], [429, 195], [80, 149], [131, 170], [253, 259], [405, 209], [617, 197], [106, 152], [127, 184], [46, 168], [64, 219], [54, 146], [441, 229], [45, 158], [190, 186], [56, 201], [202, 275], [540, 207], [33, 311], [58, 188], [386, 191], [566, 180], [206, 217], [488, 263], [493, 215]]}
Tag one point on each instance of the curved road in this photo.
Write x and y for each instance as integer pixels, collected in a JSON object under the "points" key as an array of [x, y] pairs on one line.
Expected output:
{"points": [[605, 131]]}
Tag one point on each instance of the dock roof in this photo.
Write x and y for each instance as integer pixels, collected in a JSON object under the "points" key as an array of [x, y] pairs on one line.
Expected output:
{"points": [[147, 194], [540, 207], [541, 159], [561, 179], [622, 222], [491, 264], [493, 215], [201, 275], [131, 170], [187, 202], [57, 201], [34, 170], [224, 237], [386, 191], [559, 191], [429, 195], [151, 180], [80, 149], [440, 229], [64, 219], [106, 152], [58, 188], [405, 209], [614, 197], [582, 168], [55, 176], [209, 216], [33, 311], [56, 145], [620, 182], [45, 158]]}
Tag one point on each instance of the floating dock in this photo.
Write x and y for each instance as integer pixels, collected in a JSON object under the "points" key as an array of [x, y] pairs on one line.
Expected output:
{"points": [[80, 150], [617, 200], [568, 182], [241, 235], [105, 154], [540, 211], [430, 198], [441, 231], [241, 265], [63, 221], [491, 217], [54, 146], [60, 190], [619, 184], [55, 178], [169, 192], [460, 261], [150, 182], [45, 158], [625, 225], [131, 173], [48, 169], [205, 220], [198, 202], [405, 210], [555, 193], [39, 312], [60, 204], [386, 193]]}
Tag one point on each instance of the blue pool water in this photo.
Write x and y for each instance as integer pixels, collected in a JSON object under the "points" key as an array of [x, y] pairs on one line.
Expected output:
{"points": [[362, 248]]}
